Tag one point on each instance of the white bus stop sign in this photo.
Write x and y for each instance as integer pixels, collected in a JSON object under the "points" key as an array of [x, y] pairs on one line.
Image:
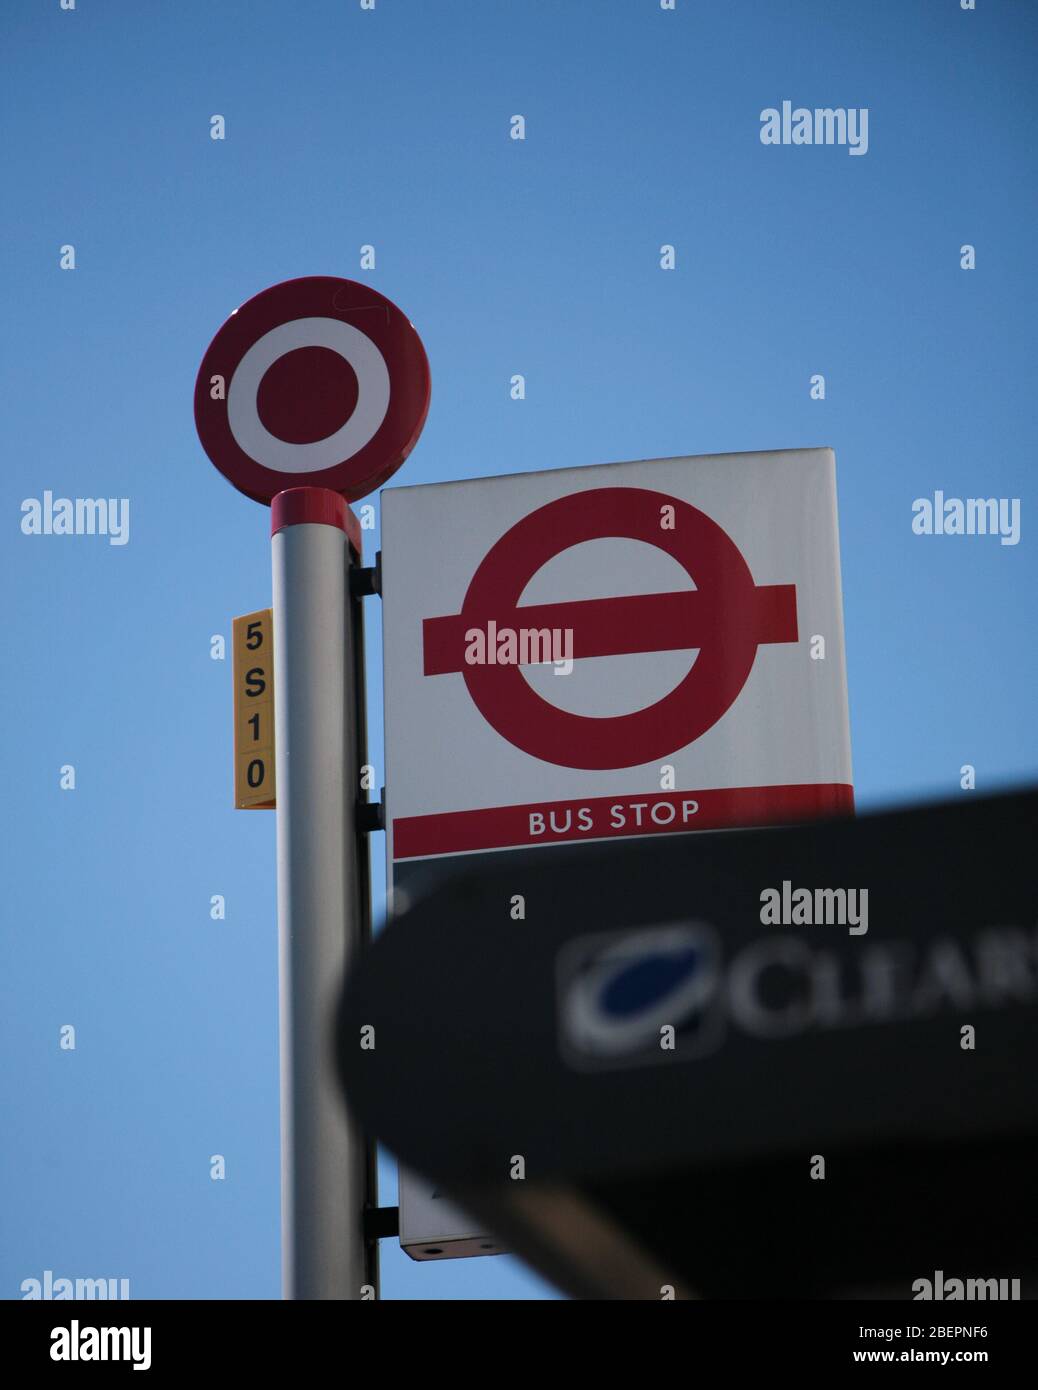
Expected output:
{"points": [[619, 650]]}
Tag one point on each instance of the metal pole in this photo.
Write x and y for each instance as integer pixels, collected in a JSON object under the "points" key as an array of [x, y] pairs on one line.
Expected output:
{"points": [[325, 1174]]}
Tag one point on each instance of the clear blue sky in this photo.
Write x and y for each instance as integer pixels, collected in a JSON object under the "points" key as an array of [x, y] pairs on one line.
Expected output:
{"points": [[390, 127]]}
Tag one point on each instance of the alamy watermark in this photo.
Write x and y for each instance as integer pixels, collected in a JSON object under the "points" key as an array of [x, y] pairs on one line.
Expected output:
{"points": [[823, 125], [77, 516], [814, 907], [50, 1288], [79, 1342], [523, 646], [941, 1288], [967, 516]]}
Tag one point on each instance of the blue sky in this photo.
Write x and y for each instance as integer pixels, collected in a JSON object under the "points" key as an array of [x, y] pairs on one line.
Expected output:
{"points": [[390, 127]]}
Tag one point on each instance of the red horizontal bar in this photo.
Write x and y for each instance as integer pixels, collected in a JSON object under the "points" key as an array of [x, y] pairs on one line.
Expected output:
{"points": [[660, 813], [635, 623]]}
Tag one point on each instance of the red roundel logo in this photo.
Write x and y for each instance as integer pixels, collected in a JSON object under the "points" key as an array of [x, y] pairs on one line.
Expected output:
{"points": [[317, 382], [726, 616]]}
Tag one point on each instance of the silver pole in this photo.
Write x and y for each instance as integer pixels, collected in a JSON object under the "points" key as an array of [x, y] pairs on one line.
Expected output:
{"points": [[325, 1168]]}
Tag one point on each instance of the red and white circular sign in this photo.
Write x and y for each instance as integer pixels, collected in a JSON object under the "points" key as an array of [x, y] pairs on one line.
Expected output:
{"points": [[317, 382], [726, 617]]}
